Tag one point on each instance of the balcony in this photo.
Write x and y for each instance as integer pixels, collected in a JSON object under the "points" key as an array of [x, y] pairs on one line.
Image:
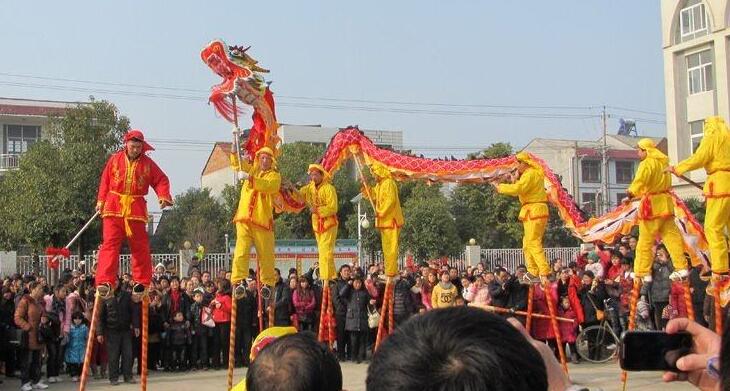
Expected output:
{"points": [[9, 161]]}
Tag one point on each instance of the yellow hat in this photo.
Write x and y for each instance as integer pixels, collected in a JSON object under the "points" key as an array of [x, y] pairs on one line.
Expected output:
{"points": [[320, 168], [525, 157], [714, 125], [648, 145]]}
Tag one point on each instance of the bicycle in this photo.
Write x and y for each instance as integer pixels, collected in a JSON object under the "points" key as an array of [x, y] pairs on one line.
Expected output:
{"points": [[599, 343]]}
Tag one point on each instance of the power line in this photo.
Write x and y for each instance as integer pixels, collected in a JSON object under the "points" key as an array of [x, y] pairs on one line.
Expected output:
{"points": [[324, 99]]}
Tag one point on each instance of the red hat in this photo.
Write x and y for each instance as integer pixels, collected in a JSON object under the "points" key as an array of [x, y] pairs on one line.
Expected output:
{"points": [[135, 134]]}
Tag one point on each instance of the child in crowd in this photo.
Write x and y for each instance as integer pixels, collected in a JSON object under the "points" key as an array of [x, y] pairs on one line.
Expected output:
{"points": [[178, 335], [444, 292], [76, 346], [198, 318], [568, 331]]}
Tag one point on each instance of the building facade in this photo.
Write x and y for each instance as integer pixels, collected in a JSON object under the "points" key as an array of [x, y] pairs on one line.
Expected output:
{"points": [[696, 46], [579, 165], [22, 123], [217, 172]]}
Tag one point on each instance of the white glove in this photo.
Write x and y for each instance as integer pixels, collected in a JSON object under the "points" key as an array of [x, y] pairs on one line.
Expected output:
{"points": [[241, 175]]}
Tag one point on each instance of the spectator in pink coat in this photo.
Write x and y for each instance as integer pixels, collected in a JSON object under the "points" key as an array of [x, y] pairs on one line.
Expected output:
{"points": [[427, 289], [304, 304], [478, 292]]}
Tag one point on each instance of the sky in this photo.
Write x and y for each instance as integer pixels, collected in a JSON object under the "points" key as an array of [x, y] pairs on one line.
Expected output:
{"points": [[453, 76]]}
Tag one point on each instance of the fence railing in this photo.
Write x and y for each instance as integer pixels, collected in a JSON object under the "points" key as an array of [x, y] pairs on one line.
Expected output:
{"points": [[9, 161], [510, 258], [216, 262]]}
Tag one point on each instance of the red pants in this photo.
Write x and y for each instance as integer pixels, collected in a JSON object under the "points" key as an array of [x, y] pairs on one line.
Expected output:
{"points": [[107, 270]]}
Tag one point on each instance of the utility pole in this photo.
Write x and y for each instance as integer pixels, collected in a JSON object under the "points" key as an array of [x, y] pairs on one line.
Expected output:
{"points": [[605, 197]]}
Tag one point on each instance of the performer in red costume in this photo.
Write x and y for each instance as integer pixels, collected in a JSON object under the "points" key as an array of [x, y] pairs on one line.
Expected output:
{"points": [[127, 177]]}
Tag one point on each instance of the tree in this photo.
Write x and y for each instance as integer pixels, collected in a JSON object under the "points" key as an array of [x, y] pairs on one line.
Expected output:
{"points": [[53, 192], [697, 207], [198, 217], [430, 230], [293, 162]]}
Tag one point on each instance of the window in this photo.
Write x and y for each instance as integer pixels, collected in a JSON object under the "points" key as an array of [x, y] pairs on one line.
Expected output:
{"points": [[18, 138], [588, 203], [590, 171], [624, 171], [699, 72], [695, 133], [693, 21]]}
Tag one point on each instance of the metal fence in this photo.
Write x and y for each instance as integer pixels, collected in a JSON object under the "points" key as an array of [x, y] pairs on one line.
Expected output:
{"points": [[505, 257], [510, 258]]}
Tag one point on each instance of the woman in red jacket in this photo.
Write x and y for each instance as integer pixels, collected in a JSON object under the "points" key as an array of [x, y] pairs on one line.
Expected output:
{"points": [[221, 308]]}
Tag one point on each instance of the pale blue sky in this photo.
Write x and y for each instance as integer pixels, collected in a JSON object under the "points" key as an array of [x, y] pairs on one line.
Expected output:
{"points": [[520, 53]]}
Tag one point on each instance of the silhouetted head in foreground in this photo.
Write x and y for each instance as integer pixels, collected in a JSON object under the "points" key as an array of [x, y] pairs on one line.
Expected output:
{"points": [[458, 348]]}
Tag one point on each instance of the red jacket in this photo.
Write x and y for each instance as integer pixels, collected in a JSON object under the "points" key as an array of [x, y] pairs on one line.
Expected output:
{"points": [[542, 329], [124, 185], [221, 314], [676, 300]]}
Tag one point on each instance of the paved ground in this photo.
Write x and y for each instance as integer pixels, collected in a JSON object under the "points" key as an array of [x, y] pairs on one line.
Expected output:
{"points": [[598, 377]]}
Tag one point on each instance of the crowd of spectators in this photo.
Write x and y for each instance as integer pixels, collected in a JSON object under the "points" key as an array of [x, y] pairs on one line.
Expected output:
{"points": [[46, 326]]}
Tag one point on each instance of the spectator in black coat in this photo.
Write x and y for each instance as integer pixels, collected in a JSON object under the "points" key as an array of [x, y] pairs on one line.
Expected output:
{"points": [[245, 318], [357, 316], [115, 328], [340, 305], [282, 302], [498, 289], [7, 331]]}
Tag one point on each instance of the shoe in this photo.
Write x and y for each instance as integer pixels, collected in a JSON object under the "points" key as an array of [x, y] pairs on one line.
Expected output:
{"points": [[75, 379], [530, 278], [114, 382], [51, 380], [679, 275], [26, 387], [611, 347], [40, 386], [131, 381], [104, 290], [574, 358]]}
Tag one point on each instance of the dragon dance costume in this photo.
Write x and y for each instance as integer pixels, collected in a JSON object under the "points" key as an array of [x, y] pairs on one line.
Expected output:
{"points": [[534, 213], [255, 221], [123, 186], [322, 199], [656, 211], [388, 216]]}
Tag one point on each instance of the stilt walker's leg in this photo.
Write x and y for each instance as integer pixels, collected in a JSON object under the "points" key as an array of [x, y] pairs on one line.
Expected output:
{"points": [[632, 318], [391, 303], [322, 332], [232, 343], [688, 300], [332, 321], [530, 298], [383, 314], [718, 308], [556, 330], [90, 342], [145, 340], [260, 300]]}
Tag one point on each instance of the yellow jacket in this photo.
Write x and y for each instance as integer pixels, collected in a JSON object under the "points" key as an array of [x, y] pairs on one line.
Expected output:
{"points": [[443, 297], [530, 189], [257, 194], [652, 184], [714, 155], [388, 213], [324, 200]]}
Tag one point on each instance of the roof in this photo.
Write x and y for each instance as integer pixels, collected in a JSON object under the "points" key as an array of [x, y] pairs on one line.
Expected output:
{"points": [[34, 107], [218, 158], [620, 147]]}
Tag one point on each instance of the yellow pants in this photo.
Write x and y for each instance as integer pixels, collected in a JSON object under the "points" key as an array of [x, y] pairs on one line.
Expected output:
{"points": [[535, 259], [649, 230], [717, 220], [389, 238], [326, 248], [263, 241]]}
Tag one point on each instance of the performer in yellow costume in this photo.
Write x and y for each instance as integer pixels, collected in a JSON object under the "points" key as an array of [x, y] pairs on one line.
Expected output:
{"points": [[388, 216], [321, 197], [254, 217], [534, 213], [713, 154], [656, 212]]}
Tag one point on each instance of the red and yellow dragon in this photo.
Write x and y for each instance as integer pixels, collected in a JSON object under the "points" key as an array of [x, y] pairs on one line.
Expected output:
{"points": [[242, 80]]}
